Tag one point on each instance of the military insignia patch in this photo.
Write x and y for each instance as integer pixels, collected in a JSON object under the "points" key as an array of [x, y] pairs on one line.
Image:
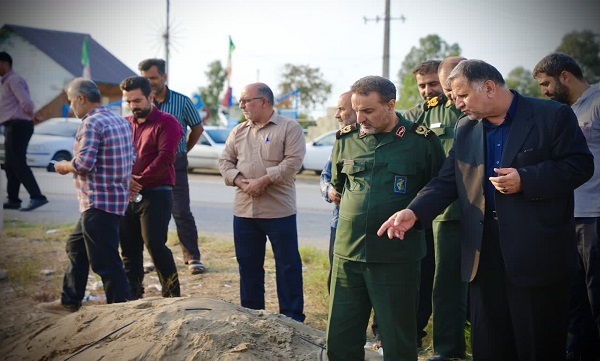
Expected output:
{"points": [[400, 184], [400, 132], [433, 102], [345, 130], [422, 130]]}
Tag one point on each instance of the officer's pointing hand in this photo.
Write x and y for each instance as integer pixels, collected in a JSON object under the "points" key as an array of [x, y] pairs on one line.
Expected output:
{"points": [[398, 224]]}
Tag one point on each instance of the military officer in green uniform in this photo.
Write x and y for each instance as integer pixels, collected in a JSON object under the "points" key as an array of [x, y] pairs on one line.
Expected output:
{"points": [[429, 86], [378, 168], [449, 291]]}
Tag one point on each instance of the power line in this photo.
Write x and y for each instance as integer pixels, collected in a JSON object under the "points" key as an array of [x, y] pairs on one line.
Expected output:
{"points": [[386, 36]]}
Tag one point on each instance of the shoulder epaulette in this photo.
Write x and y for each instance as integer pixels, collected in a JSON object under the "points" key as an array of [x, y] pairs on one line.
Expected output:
{"points": [[345, 130], [434, 102], [420, 129]]}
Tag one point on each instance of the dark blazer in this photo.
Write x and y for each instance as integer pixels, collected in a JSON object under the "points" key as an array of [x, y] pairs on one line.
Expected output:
{"points": [[537, 232]]}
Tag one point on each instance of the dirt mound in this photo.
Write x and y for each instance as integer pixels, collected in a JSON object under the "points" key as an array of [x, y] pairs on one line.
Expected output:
{"points": [[170, 329]]}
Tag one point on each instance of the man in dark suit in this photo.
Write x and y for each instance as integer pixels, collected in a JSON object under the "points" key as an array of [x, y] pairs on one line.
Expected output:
{"points": [[513, 167]]}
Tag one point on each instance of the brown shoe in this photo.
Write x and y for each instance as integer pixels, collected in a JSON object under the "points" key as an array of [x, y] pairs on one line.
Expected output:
{"points": [[56, 307]]}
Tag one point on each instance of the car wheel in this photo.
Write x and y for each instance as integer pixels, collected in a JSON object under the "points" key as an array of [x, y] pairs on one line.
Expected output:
{"points": [[300, 170], [62, 155]]}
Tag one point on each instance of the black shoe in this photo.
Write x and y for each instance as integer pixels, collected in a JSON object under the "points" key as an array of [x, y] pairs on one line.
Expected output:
{"points": [[33, 204], [12, 205]]}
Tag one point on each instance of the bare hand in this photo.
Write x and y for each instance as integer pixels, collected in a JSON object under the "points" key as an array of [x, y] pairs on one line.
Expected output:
{"points": [[398, 224], [255, 187], [63, 167], [333, 195], [508, 180], [134, 186]]}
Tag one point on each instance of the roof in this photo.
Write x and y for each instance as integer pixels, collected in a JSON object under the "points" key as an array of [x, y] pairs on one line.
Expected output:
{"points": [[65, 48]]}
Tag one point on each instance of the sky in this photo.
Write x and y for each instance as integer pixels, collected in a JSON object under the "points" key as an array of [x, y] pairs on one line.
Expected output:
{"points": [[327, 34]]}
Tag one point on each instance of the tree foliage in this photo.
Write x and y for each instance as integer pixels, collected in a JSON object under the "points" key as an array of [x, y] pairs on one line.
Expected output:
{"points": [[521, 80], [431, 47], [210, 94], [584, 47], [313, 89]]}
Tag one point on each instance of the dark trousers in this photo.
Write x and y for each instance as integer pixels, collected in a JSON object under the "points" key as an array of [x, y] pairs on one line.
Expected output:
{"points": [[250, 236], [16, 139], [95, 242], [331, 245], [426, 287], [584, 323], [147, 223], [374, 326], [184, 219], [511, 322], [449, 291], [391, 289]]}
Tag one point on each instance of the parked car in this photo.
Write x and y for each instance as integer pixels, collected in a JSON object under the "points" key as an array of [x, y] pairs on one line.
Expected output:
{"points": [[52, 141], [318, 151], [207, 150]]}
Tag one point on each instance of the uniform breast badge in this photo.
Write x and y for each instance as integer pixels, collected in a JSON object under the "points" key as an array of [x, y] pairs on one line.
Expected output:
{"points": [[400, 184]]}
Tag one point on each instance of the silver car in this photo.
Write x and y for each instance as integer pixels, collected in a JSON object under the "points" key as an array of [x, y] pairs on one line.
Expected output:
{"points": [[208, 149], [52, 141]]}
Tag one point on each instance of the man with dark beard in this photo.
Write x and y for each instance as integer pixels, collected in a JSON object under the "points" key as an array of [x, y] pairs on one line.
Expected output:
{"points": [[182, 108], [155, 138], [561, 79]]}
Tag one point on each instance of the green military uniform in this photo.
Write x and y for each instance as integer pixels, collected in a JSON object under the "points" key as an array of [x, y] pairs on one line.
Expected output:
{"points": [[377, 175], [449, 292], [414, 113]]}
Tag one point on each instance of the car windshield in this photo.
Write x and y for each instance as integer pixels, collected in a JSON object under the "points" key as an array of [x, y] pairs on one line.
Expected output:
{"points": [[57, 127], [219, 136]]}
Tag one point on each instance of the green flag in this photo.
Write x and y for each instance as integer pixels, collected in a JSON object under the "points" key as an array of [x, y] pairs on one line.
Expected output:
{"points": [[85, 58]]}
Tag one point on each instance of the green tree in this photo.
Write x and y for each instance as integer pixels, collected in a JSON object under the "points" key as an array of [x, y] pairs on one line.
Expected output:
{"points": [[584, 47], [431, 47], [521, 80], [313, 89], [210, 94]]}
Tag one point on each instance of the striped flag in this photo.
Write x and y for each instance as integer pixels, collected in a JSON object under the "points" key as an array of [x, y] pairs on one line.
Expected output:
{"points": [[228, 98], [85, 58]]}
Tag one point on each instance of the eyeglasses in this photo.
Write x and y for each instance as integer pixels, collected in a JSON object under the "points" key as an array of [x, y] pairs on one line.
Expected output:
{"points": [[244, 101]]}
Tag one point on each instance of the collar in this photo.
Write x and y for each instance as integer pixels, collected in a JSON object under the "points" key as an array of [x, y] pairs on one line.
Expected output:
{"points": [[94, 111], [167, 97], [512, 109], [273, 119], [154, 114], [7, 75], [587, 93]]}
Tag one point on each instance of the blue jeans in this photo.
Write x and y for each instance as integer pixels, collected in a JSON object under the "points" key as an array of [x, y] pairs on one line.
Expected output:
{"points": [[95, 242], [147, 223], [250, 237]]}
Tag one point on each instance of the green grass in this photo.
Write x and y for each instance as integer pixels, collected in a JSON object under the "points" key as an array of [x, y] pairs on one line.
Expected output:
{"points": [[28, 250]]}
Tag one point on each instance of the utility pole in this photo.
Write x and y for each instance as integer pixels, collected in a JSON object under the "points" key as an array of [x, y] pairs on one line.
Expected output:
{"points": [[166, 37], [386, 37]]}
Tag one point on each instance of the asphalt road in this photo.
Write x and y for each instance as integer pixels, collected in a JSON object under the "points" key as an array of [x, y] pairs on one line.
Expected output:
{"points": [[211, 203]]}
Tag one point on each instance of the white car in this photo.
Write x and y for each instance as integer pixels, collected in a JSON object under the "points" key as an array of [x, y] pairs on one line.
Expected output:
{"points": [[318, 151], [208, 149], [52, 141]]}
